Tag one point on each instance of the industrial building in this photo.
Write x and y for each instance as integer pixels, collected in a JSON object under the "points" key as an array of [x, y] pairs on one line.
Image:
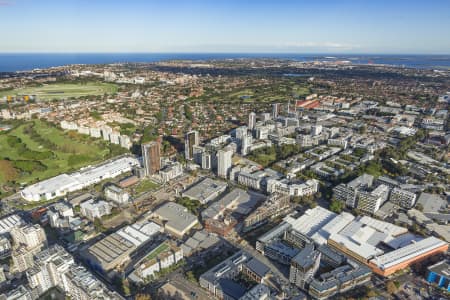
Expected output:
{"points": [[403, 257], [202, 241], [175, 218], [116, 248], [383, 247], [65, 183], [237, 200], [206, 190]]}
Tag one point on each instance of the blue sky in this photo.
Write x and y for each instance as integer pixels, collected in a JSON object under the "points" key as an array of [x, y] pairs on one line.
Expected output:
{"points": [[301, 26]]}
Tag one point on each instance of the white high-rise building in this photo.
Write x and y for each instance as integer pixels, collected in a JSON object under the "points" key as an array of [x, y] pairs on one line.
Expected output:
{"points": [[56, 267], [275, 110], [30, 236], [251, 121], [106, 131], [224, 161], [246, 143], [114, 138], [125, 141]]}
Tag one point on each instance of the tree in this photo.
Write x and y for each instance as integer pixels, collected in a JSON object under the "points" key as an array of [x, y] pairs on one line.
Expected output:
{"points": [[191, 277], [336, 206], [391, 288], [98, 225]]}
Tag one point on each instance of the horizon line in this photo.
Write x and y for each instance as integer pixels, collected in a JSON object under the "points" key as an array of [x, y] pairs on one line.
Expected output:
{"points": [[225, 52]]}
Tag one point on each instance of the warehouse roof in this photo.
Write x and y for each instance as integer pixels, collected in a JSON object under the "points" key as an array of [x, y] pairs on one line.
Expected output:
{"points": [[177, 216], [205, 190], [403, 254], [311, 221]]}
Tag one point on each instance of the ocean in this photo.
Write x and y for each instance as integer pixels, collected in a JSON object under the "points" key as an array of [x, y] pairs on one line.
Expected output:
{"points": [[10, 62]]}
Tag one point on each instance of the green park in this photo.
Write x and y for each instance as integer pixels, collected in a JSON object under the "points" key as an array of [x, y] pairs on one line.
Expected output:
{"points": [[57, 91], [36, 150]]}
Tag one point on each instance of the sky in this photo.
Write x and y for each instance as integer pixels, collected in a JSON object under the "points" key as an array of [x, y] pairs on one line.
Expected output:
{"points": [[219, 26]]}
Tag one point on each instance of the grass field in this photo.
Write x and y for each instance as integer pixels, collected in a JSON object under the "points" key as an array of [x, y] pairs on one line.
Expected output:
{"points": [[161, 248], [64, 90], [45, 151], [145, 186]]}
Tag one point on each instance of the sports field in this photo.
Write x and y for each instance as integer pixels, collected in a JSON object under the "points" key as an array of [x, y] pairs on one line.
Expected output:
{"points": [[63, 90], [36, 150]]}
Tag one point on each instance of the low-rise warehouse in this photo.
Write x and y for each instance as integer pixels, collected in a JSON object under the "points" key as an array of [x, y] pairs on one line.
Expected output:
{"points": [[65, 183], [175, 217], [206, 190]]}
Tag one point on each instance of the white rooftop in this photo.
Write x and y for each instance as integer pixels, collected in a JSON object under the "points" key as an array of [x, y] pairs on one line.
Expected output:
{"points": [[139, 233], [334, 226], [311, 221], [64, 183], [403, 254], [7, 223]]}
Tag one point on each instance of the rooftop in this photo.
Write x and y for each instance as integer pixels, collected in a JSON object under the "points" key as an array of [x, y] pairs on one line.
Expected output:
{"points": [[205, 190], [311, 221], [239, 200], [257, 267], [7, 223], [405, 253], [176, 215], [442, 268], [431, 203], [111, 249]]}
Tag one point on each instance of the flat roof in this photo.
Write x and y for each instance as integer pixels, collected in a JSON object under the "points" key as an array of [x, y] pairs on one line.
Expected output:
{"points": [[205, 190], [442, 268], [241, 201], [257, 267], [176, 215], [80, 179], [311, 221], [403, 254], [7, 223], [361, 180], [334, 226], [431, 202], [306, 257], [60, 182], [123, 241]]}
